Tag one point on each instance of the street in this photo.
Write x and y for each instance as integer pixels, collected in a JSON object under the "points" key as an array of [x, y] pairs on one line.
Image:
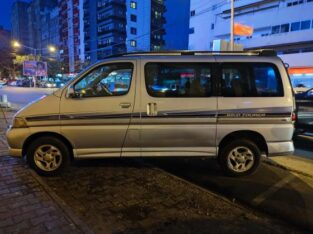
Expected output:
{"points": [[22, 96], [167, 195]]}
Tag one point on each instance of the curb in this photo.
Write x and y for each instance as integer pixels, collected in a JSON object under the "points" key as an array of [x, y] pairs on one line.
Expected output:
{"points": [[62, 205], [275, 164]]}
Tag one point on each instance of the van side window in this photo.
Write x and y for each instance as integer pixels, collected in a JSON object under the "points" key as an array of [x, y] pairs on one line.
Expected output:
{"points": [[251, 80], [106, 80], [178, 79]]}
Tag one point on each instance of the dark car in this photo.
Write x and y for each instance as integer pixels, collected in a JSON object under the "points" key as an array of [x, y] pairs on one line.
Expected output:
{"points": [[25, 82], [304, 102]]}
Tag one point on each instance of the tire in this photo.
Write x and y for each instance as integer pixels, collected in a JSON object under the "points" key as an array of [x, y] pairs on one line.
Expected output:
{"points": [[239, 158], [48, 156]]}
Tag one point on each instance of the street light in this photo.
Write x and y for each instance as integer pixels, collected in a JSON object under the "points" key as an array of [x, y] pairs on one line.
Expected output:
{"points": [[16, 44], [52, 49]]}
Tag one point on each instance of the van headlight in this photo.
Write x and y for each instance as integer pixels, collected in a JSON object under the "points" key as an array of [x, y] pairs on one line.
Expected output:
{"points": [[19, 123]]}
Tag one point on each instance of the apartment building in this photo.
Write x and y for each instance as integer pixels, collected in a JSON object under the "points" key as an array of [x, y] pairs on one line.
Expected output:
{"points": [[19, 22], [119, 26], [71, 30], [286, 26]]}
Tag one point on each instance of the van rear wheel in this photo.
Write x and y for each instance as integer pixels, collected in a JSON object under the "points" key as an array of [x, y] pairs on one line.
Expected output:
{"points": [[240, 157], [48, 156]]}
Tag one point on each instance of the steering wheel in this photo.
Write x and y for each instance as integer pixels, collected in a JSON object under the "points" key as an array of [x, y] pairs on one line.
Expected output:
{"points": [[102, 89]]}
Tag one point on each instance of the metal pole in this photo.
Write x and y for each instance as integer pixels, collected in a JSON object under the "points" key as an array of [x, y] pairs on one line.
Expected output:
{"points": [[34, 78], [232, 14]]}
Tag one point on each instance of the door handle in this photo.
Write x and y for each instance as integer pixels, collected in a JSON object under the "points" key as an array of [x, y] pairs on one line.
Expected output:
{"points": [[152, 109], [125, 105]]}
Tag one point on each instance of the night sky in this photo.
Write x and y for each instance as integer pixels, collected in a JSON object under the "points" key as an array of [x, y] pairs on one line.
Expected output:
{"points": [[5, 12]]}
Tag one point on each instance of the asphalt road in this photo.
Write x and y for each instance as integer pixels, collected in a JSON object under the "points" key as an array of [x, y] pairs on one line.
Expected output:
{"points": [[21, 96], [273, 190]]}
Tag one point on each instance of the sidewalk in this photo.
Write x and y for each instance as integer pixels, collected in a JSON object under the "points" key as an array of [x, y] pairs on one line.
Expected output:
{"points": [[25, 206], [302, 159]]}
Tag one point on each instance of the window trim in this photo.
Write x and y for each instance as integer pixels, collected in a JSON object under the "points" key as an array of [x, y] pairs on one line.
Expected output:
{"points": [[273, 65], [91, 69], [213, 78]]}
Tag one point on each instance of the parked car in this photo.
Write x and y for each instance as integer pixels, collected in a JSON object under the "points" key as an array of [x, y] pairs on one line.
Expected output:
{"points": [[24, 82], [300, 88], [3, 82], [236, 107], [12, 82], [304, 102]]}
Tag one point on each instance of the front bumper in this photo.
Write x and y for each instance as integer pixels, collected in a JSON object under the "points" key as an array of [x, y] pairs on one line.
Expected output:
{"points": [[16, 138], [280, 148], [15, 152]]}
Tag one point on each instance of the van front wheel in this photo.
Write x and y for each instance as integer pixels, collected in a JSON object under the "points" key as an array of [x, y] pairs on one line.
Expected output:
{"points": [[240, 157], [48, 156]]}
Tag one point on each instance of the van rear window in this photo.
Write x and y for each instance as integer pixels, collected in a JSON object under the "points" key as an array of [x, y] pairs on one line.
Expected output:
{"points": [[251, 80]]}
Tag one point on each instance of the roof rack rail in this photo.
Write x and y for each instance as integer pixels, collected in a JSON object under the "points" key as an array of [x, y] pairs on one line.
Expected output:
{"points": [[260, 52]]}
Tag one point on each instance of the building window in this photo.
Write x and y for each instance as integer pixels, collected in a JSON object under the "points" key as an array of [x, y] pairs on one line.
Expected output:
{"points": [[133, 5], [284, 28], [193, 13], [305, 24], [212, 26], [133, 18], [133, 31], [157, 14], [295, 26], [133, 43], [275, 29], [191, 30]]}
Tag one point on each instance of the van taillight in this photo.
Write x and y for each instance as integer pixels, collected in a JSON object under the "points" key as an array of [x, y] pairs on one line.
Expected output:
{"points": [[294, 117]]}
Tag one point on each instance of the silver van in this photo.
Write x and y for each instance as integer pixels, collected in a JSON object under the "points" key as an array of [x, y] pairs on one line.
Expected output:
{"points": [[233, 106]]}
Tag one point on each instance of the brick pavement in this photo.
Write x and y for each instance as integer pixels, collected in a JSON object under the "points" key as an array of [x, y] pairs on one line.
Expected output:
{"points": [[25, 207], [116, 196], [126, 196]]}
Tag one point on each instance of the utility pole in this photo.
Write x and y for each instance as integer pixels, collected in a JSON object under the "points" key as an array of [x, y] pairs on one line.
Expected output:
{"points": [[232, 15]]}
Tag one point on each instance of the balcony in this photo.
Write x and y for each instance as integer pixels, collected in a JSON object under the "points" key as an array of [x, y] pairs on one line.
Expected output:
{"points": [[111, 16], [114, 30], [112, 3]]}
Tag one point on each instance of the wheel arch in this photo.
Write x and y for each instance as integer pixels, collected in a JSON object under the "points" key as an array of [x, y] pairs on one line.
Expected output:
{"points": [[48, 134], [253, 136]]}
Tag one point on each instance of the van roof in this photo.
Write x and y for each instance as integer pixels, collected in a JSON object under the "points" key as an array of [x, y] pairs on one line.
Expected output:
{"points": [[261, 52]]}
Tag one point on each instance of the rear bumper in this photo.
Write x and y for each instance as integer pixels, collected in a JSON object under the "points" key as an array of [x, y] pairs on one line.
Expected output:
{"points": [[15, 152], [280, 148]]}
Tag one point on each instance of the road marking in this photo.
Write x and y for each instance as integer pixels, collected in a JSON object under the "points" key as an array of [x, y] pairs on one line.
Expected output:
{"points": [[263, 196]]}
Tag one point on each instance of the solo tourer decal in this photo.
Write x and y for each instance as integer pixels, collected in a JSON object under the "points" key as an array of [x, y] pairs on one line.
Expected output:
{"points": [[280, 112]]}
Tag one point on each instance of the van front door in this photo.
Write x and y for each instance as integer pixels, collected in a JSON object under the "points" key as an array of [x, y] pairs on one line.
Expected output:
{"points": [[178, 108], [96, 115]]}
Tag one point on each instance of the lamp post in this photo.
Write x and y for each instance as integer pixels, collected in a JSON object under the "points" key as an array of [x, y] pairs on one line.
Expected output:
{"points": [[232, 13], [50, 48]]}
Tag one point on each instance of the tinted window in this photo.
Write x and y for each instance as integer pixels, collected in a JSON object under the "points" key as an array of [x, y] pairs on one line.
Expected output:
{"points": [[284, 28], [295, 26], [305, 24], [178, 80], [275, 29], [251, 80], [106, 80]]}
